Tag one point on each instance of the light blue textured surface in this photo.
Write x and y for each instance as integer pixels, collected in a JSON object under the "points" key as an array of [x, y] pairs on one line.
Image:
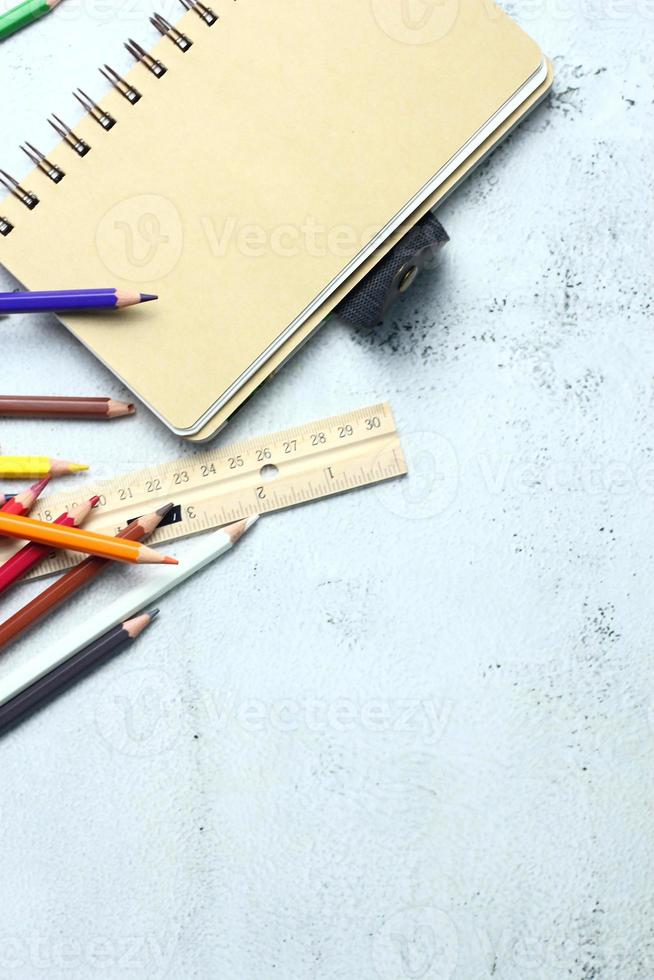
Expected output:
{"points": [[406, 732]]}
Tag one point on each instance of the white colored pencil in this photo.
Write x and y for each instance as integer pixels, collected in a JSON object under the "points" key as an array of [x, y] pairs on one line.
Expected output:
{"points": [[152, 585]]}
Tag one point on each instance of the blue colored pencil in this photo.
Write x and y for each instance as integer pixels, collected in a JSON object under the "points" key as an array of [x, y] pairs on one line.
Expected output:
{"points": [[58, 301]]}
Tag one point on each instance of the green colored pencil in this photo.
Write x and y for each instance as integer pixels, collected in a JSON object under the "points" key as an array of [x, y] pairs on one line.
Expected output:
{"points": [[22, 15]]}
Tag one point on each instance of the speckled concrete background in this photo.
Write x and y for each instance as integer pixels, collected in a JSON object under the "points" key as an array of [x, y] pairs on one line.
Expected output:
{"points": [[406, 733]]}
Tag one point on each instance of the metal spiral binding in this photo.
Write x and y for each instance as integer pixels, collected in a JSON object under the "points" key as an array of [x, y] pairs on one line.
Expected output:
{"points": [[156, 67], [50, 169], [75, 142], [166, 29], [205, 13], [126, 90], [28, 198], [103, 118]]}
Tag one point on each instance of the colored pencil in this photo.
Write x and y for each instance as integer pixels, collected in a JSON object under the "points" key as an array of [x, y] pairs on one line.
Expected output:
{"points": [[31, 554], [53, 406], [76, 539], [26, 467], [152, 585], [67, 585], [22, 15], [65, 300], [65, 674], [5, 498], [22, 503]]}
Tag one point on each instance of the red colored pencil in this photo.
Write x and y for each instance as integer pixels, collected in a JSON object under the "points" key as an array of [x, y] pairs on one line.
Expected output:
{"points": [[29, 556], [23, 502]]}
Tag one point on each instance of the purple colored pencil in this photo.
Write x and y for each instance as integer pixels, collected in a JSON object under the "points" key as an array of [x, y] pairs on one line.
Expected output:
{"points": [[60, 301]]}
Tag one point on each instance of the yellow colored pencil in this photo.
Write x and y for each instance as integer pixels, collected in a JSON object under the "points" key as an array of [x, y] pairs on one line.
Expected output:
{"points": [[77, 539], [33, 467]]}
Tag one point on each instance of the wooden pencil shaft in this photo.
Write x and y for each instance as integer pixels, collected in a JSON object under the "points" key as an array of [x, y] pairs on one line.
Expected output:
{"points": [[28, 556], [22, 15], [64, 675], [76, 539], [28, 467], [152, 585], [71, 299], [51, 406], [56, 594]]}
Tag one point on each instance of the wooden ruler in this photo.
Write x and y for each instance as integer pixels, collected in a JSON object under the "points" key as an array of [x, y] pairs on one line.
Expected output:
{"points": [[210, 489]]}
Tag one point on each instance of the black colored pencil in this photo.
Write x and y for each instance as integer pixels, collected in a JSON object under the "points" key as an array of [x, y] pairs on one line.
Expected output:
{"points": [[71, 670]]}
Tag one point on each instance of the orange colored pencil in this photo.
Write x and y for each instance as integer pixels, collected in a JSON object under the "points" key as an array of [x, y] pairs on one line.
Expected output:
{"points": [[31, 554], [77, 539]]}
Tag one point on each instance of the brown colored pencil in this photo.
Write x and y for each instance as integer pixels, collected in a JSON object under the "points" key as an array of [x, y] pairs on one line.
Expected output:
{"points": [[74, 580], [52, 406]]}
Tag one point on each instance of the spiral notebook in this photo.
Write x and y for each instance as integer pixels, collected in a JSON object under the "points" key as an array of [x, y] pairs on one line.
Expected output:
{"points": [[249, 165]]}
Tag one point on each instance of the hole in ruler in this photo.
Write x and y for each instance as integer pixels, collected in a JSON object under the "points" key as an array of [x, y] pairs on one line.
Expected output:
{"points": [[269, 472]]}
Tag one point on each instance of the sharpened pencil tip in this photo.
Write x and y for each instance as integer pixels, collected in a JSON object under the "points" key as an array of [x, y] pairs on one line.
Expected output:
{"points": [[77, 467], [94, 501], [170, 561], [164, 511], [148, 297], [153, 614], [39, 487], [237, 530]]}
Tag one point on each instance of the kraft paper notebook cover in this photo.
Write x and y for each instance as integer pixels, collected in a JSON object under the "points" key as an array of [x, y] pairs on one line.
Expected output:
{"points": [[271, 160], [314, 322]]}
